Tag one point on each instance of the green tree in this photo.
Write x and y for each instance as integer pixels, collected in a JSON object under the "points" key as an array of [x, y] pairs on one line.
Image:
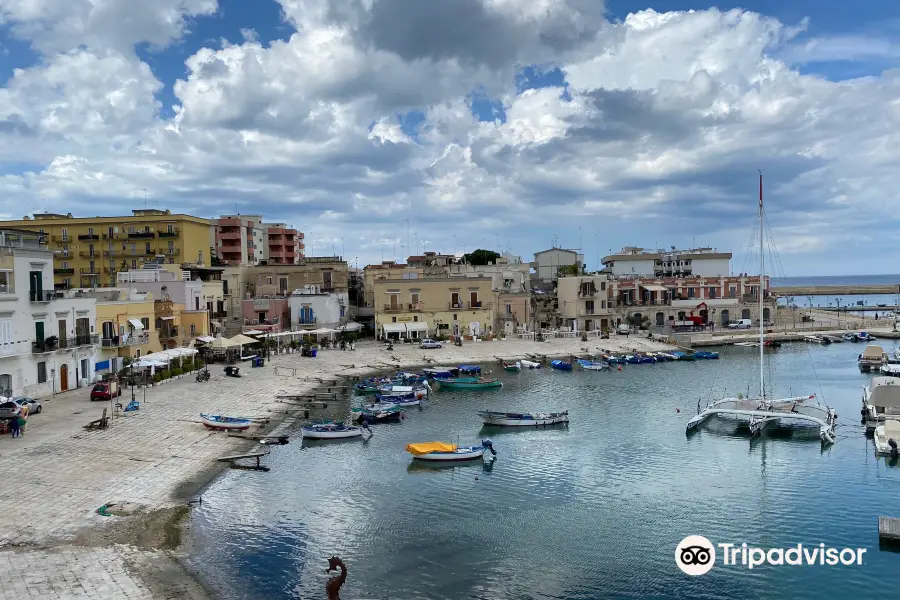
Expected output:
{"points": [[567, 271], [481, 257], [214, 260]]}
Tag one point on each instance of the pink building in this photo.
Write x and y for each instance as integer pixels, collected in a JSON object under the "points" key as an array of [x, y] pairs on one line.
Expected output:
{"points": [[284, 245], [271, 315]]}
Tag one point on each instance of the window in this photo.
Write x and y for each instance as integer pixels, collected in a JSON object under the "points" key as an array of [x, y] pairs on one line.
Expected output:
{"points": [[732, 291], [133, 263], [67, 282], [509, 309], [92, 267], [193, 329], [690, 292], [602, 286], [171, 246], [147, 248], [133, 248], [603, 303], [42, 372], [137, 353], [414, 298], [65, 251], [170, 228], [589, 307], [6, 280], [415, 318], [268, 281], [6, 336], [146, 229], [90, 231], [91, 249], [65, 233], [343, 312], [393, 319], [712, 292], [65, 264]]}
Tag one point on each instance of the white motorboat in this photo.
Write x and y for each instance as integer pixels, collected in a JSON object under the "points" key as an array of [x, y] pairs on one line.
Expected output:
{"points": [[590, 365], [528, 364], [330, 431], [443, 452], [748, 344], [881, 400], [891, 370], [795, 412], [886, 437], [872, 358], [509, 419]]}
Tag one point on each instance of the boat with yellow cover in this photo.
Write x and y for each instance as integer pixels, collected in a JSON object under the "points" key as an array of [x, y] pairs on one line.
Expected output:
{"points": [[442, 451]]}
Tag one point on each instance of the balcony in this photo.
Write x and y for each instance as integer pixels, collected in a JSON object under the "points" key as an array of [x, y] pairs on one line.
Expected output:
{"points": [[169, 234], [63, 239], [121, 342], [52, 344], [507, 317], [64, 271], [89, 272], [132, 235], [88, 237], [89, 254], [40, 296], [394, 308], [114, 236], [170, 252], [479, 305], [168, 333]]}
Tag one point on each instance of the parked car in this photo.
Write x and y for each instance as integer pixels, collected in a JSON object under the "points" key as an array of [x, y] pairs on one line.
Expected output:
{"points": [[623, 329], [105, 391], [429, 343], [33, 405], [741, 324], [9, 409]]}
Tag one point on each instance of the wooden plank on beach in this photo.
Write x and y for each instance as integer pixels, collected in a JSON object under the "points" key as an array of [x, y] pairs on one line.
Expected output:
{"points": [[889, 528]]}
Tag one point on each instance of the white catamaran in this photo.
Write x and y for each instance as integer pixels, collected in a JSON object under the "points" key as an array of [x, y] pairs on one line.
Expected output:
{"points": [[798, 411]]}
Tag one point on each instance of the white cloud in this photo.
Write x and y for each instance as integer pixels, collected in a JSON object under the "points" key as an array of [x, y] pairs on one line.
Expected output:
{"points": [[655, 138]]}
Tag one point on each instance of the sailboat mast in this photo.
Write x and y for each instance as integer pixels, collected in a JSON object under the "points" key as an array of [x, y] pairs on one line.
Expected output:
{"points": [[762, 270]]}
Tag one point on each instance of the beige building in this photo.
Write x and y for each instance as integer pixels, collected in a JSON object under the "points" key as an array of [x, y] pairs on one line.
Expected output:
{"points": [[386, 270], [434, 306], [584, 302], [514, 313]]}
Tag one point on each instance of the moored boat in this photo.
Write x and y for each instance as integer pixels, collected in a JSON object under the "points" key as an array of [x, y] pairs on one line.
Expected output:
{"points": [[872, 358], [850, 337], [443, 452], [706, 355], [470, 383], [469, 370], [380, 416], [865, 337], [561, 365], [530, 364], [590, 365], [512, 367], [441, 372], [886, 438], [509, 419], [684, 355], [330, 431], [223, 423]]}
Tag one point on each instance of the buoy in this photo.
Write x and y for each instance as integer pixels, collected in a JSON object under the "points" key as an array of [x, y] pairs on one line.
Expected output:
{"points": [[476, 478], [620, 367], [678, 410]]}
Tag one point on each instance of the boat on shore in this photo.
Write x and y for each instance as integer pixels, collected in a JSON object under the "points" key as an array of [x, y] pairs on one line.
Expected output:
{"points": [[330, 431], [510, 419], [443, 452], [223, 423], [512, 367], [561, 365], [590, 365], [530, 364], [470, 383]]}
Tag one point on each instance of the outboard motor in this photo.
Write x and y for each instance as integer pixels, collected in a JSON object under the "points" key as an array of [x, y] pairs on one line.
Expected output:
{"points": [[488, 444], [893, 446]]}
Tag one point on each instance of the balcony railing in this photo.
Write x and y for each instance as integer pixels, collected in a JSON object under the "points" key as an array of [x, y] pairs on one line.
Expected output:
{"points": [[120, 341], [168, 333], [52, 345], [169, 234], [89, 236], [170, 251], [64, 271], [40, 296], [89, 254], [61, 238], [141, 234], [470, 305]]}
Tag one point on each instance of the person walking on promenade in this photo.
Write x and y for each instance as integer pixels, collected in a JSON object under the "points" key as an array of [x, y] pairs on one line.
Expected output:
{"points": [[23, 415], [14, 426]]}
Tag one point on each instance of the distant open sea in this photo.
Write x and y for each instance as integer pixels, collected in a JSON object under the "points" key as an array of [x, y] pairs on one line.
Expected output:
{"points": [[837, 280]]}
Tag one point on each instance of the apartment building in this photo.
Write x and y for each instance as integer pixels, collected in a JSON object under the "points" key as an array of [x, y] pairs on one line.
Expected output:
{"points": [[583, 302], [548, 264], [89, 252], [48, 342], [126, 322], [638, 262], [247, 240], [312, 308], [430, 306]]}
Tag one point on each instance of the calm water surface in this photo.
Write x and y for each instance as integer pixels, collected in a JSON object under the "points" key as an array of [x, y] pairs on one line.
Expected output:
{"points": [[594, 510]]}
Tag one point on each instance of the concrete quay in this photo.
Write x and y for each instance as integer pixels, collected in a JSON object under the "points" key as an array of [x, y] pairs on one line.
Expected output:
{"points": [[835, 290], [53, 543]]}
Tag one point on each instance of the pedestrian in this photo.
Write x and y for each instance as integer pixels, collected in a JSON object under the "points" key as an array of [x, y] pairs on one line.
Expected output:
{"points": [[23, 415], [14, 426], [23, 424]]}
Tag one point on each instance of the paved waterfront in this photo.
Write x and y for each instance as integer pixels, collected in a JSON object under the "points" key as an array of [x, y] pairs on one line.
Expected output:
{"points": [[53, 544]]}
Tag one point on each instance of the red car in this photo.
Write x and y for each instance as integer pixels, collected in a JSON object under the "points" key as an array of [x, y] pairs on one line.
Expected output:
{"points": [[105, 391]]}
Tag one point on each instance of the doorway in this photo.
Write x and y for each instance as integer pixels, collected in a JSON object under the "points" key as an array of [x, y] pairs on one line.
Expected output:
{"points": [[63, 378]]}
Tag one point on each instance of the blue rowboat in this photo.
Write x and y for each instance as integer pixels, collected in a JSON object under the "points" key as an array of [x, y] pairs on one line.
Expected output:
{"points": [[561, 365], [222, 423], [590, 365], [469, 370], [706, 355], [441, 372]]}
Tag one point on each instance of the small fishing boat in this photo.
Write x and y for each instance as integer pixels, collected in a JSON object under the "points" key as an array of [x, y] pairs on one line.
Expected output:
{"points": [[470, 383], [866, 337], [590, 365], [685, 355], [891, 370], [382, 416], [748, 344], [398, 400], [512, 367], [469, 370], [850, 337], [509, 419], [330, 431], [771, 344], [817, 339], [659, 356], [222, 423], [410, 378], [834, 339], [404, 391], [440, 372], [645, 359], [886, 436], [376, 407], [529, 364], [561, 365], [668, 355], [443, 452], [706, 355], [612, 359]]}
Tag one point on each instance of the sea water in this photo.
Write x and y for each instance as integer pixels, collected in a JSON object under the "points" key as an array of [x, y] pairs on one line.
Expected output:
{"points": [[592, 510]]}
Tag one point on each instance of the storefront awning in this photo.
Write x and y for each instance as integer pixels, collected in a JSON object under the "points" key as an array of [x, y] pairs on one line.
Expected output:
{"points": [[653, 287], [136, 323], [167, 318], [394, 328], [416, 326]]}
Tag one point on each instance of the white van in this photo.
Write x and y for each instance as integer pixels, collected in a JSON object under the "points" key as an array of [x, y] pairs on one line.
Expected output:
{"points": [[623, 329], [742, 324]]}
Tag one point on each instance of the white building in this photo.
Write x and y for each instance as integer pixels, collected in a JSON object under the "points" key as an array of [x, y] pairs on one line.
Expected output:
{"points": [[509, 275], [163, 284], [310, 306], [547, 263], [47, 338], [638, 262]]}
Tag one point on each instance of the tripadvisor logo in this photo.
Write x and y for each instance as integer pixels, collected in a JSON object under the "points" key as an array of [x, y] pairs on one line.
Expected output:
{"points": [[696, 555]]}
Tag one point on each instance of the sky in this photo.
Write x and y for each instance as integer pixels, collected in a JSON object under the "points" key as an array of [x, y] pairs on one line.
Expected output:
{"points": [[384, 128]]}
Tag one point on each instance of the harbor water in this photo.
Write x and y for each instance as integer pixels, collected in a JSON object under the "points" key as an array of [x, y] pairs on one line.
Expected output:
{"points": [[592, 510]]}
